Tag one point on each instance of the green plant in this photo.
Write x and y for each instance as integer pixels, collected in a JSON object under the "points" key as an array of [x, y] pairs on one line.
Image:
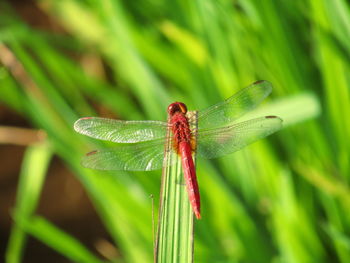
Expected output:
{"points": [[284, 199]]}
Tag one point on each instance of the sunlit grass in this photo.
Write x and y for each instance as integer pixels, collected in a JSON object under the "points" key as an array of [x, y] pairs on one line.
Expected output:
{"points": [[283, 199]]}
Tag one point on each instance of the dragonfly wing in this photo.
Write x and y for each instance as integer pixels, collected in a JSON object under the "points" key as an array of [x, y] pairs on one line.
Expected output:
{"points": [[121, 131], [146, 156], [234, 107], [218, 142]]}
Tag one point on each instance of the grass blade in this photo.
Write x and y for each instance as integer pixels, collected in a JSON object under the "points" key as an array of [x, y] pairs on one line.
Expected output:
{"points": [[175, 229], [49, 234], [35, 164]]}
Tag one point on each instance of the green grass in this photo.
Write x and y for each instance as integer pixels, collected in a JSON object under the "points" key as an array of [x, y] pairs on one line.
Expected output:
{"points": [[175, 234], [283, 199], [32, 176]]}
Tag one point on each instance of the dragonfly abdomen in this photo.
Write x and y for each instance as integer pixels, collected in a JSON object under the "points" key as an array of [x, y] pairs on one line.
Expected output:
{"points": [[190, 176]]}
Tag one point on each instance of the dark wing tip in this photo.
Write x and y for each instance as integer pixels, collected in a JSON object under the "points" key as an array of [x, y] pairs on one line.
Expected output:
{"points": [[274, 117], [91, 153], [263, 85], [259, 81]]}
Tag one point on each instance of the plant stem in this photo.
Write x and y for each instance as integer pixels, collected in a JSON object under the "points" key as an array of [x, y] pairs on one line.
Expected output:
{"points": [[175, 228]]}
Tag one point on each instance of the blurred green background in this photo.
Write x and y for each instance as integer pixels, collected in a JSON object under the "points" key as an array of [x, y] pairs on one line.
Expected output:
{"points": [[283, 199]]}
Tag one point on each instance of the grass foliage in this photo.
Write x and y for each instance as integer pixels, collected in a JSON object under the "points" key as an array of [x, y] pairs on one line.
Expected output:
{"points": [[175, 234], [284, 199]]}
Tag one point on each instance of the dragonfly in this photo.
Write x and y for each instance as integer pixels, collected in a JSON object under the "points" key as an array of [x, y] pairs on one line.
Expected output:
{"points": [[217, 132]]}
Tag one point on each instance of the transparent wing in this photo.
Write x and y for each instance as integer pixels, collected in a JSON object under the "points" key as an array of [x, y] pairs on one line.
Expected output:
{"points": [[144, 156], [218, 142], [121, 131], [224, 112]]}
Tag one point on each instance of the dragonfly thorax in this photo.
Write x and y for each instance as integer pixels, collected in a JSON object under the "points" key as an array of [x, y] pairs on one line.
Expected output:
{"points": [[180, 128]]}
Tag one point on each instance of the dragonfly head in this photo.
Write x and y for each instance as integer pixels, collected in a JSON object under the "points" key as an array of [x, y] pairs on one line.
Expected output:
{"points": [[177, 107]]}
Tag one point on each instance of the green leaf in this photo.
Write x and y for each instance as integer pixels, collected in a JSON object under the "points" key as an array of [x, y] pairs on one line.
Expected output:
{"points": [[35, 164], [175, 228], [57, 239]]}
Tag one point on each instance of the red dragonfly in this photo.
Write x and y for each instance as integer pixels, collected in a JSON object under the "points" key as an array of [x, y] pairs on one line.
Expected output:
{"points": [[217, 133]]}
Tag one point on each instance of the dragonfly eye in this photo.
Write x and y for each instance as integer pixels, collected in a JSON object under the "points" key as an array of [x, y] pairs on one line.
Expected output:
{"points": [[182, 107], [177, 107], [171, 109]]}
